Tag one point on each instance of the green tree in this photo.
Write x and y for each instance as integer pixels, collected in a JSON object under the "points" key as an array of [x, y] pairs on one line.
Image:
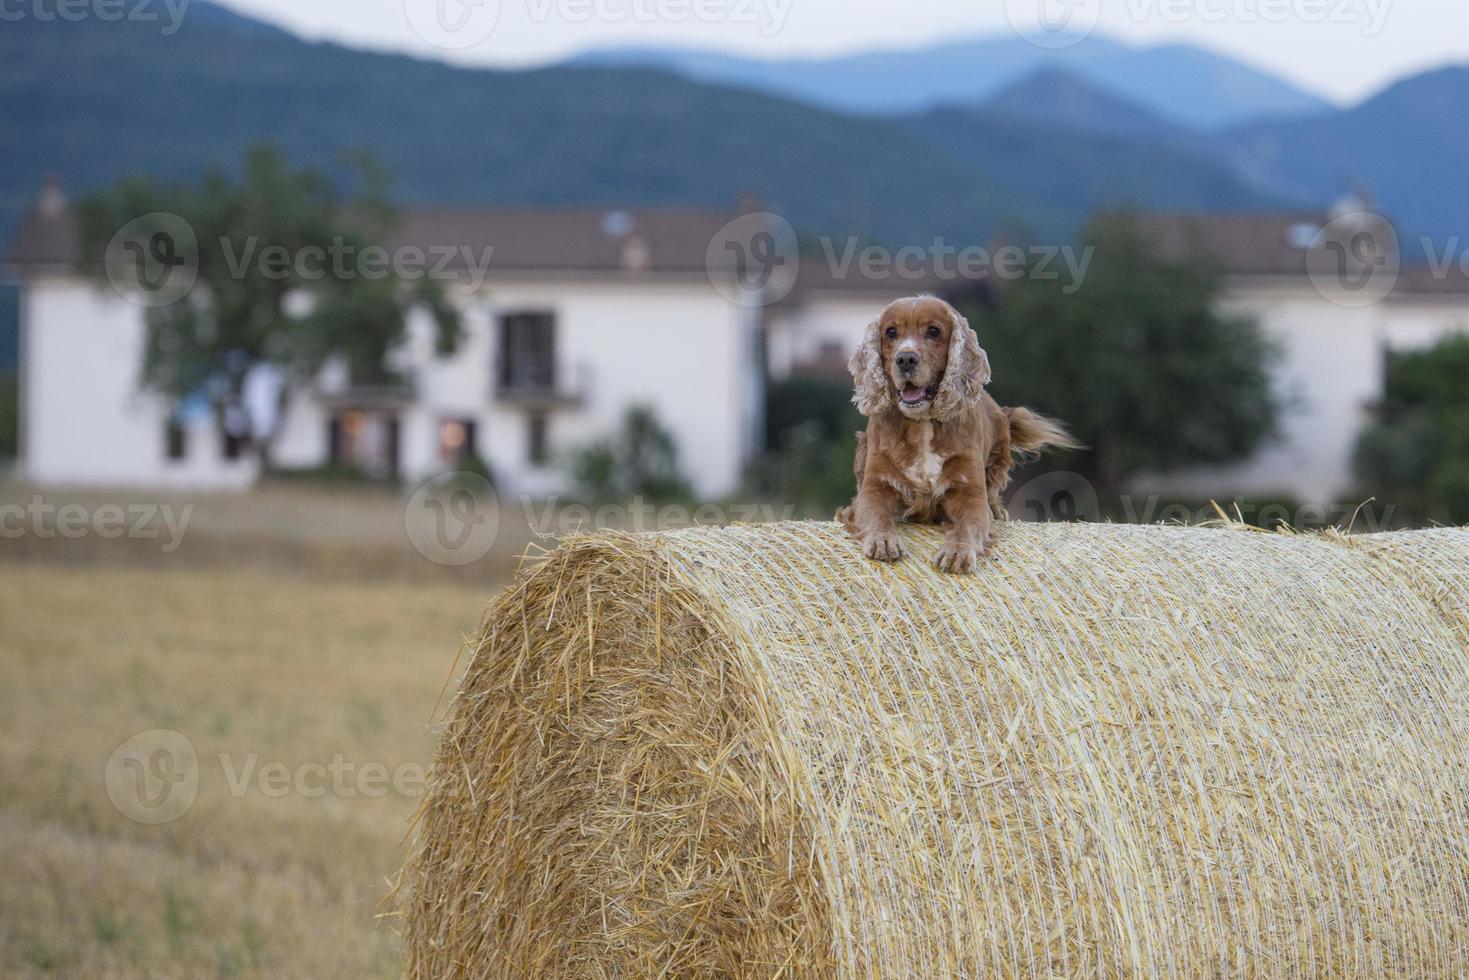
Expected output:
{"points": [[1416, 453], [810, 436], [640, 459], [1135, 357], [9, 416], [283, 281]]}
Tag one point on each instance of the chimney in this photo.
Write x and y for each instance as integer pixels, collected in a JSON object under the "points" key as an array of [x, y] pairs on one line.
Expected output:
{"points": [[636, 256], [52, 202]]}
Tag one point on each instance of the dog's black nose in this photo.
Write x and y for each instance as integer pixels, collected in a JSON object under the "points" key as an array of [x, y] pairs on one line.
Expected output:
{"points": [[907, 362]]}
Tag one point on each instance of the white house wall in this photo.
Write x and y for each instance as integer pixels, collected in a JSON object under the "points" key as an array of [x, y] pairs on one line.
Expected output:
{"points": [[1418, 323], [680, 348], [822, 324], [85, 419], [1330, 370]]}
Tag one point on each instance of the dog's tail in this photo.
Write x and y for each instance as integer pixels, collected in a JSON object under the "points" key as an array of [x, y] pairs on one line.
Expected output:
{"points": [[1031, 432]]}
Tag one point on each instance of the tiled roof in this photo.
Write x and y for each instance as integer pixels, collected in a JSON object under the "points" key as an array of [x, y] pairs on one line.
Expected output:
{"points": [[1276, 244], [522, 239]]}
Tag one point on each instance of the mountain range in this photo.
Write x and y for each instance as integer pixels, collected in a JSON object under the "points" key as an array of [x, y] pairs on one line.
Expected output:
{"points": [[1026, 152], [92, 101], [1187, 85]]}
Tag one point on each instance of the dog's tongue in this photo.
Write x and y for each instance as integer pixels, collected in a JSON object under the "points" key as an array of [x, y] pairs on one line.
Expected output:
{"points": [[913, 396]]}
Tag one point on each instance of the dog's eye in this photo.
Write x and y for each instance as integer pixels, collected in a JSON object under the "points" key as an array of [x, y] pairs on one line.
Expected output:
{"points": [[892, 333], [935, 333]]}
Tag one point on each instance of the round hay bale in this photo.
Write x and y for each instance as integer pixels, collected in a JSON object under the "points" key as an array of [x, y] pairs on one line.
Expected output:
{"points": [[1435, 563], [1114, 751]]}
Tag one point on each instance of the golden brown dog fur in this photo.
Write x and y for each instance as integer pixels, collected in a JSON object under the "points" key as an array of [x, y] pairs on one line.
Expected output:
{"points": [[938, 449]]}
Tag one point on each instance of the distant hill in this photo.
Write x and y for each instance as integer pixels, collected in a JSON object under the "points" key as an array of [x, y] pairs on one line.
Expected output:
{"points": [[93, 101], [1023, 143], [171, 106], [1076, 173], [1187, 85], [1058, 98], [1408, 146]]}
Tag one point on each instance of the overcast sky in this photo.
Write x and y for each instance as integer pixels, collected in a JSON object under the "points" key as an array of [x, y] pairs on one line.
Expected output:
{"points": [[1341, 49]]}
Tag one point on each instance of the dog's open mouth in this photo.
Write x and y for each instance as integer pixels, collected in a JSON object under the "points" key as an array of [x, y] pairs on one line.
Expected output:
{"points": [[913, 395]]}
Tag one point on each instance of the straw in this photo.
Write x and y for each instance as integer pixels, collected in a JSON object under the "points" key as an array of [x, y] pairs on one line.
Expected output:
{"points": [[1114, 751]]}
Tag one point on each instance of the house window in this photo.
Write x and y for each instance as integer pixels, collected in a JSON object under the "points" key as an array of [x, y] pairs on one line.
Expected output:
{"points": [[366, 441], [236, 435], [234, 445], [528, 352], [175, 439], [457, 441], [537, 441]]}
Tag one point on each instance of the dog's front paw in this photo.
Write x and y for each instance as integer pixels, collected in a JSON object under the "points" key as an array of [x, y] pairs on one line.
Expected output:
{"points": [[958, 557], [883, 545]]}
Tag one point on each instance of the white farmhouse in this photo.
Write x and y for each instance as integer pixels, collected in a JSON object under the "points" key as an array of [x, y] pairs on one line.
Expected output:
{"points": [[579, 315], [1333, 293], [575, 317]]}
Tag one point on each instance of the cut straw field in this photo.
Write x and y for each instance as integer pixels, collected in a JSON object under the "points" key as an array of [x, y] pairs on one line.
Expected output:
{"points": [[255, 671]]}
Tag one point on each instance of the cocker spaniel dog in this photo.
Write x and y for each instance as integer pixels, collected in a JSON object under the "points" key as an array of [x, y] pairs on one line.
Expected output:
{"points": [[938, 449]]}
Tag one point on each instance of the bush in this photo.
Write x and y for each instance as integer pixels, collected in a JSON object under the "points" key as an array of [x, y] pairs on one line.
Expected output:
{"points": [[813, 475], [639, 460], [471, 466], [802, 409], [1416, 454], [810, 432], [1136, 358]]}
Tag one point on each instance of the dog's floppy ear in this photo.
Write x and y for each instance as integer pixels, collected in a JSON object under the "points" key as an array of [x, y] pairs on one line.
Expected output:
{"points": [[874, 394], [967, 373]]}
